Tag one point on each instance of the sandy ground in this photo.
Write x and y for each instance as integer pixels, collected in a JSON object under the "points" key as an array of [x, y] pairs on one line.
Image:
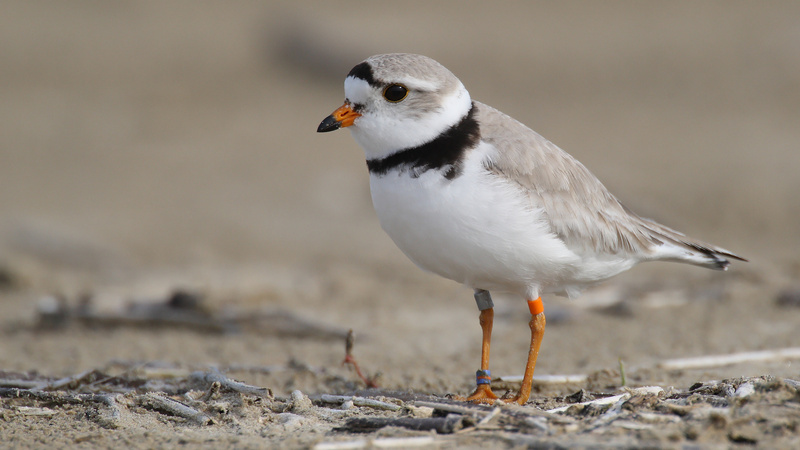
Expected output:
{"points": [[149, 147]]}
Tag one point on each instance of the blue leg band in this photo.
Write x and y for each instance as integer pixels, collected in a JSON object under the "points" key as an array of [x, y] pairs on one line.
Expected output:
{"points": [[483, 377]]}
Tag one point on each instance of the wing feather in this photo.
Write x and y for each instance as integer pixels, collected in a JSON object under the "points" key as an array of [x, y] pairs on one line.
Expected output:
{"points": [[579, 209]]}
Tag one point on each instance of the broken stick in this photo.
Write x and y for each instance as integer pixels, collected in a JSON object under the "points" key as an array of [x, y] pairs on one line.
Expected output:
{"points": [[349, 359]]}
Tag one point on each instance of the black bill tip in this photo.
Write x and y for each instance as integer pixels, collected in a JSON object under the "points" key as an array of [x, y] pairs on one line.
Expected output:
{"points": [[329, 124]]}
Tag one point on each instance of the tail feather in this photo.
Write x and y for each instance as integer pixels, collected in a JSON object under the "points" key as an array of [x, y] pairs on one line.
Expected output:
{"points": [[676, 246]]}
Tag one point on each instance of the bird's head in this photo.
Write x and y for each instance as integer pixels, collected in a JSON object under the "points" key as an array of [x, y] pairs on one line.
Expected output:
{"points": [[397, 101]]}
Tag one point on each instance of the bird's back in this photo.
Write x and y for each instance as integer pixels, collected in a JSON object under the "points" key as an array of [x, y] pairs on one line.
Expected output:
{"points": [[577, 207]]}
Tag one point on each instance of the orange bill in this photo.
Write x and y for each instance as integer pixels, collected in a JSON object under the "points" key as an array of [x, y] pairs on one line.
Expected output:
{"points": [[342, 117]]}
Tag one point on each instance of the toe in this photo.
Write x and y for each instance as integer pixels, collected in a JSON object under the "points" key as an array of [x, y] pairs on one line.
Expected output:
{"points": [[483, 394]]}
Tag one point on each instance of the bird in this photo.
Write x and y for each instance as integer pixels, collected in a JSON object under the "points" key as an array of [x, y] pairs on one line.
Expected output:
{"points": [[471, 194]]}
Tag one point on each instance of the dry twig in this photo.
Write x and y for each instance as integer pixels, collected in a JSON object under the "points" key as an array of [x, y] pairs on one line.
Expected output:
{"points": [[360, 401], [158, 402], [233, 385], [442, 425], [349, 359]]}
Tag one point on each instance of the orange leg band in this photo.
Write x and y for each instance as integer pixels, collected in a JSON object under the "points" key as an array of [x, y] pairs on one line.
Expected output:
{"points": [[536, 306]]}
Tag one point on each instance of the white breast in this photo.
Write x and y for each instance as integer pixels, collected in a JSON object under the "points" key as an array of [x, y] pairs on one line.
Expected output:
{"points": [[477, 229]]}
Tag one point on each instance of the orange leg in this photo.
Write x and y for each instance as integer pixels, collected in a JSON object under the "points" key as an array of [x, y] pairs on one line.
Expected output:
{"points": [[483, 393], [537, 325]]}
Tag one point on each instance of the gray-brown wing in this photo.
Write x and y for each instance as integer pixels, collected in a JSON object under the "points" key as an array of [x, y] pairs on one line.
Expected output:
{"points": [[580, 210]]}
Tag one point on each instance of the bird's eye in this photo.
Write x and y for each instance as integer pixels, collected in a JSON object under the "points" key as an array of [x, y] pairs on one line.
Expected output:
{"points": [[395, 93]]}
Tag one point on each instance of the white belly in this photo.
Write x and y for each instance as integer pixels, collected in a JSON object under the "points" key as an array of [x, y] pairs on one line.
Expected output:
{"points": [[476, 229]]}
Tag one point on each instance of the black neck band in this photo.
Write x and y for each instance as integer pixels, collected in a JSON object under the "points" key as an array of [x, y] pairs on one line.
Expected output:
{"points": [[446, 150]]}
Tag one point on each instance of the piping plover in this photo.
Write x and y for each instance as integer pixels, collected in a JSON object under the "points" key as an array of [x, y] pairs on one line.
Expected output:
{"points": [[475, 196]]}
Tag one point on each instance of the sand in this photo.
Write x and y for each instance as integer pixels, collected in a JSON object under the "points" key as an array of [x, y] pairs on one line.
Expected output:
{"points": [[154, 147]]}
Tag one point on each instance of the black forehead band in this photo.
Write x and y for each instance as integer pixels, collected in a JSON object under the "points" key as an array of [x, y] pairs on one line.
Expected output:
{"points": [[364, 72]]}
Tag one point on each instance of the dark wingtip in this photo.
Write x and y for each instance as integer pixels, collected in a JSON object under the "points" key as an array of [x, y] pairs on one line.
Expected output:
{"points": [[329, 124], [724, 263], [718, 256]]}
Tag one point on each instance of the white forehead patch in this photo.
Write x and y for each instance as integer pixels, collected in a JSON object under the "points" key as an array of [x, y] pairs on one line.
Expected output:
{"points": [[416, 83], [356, 90]]}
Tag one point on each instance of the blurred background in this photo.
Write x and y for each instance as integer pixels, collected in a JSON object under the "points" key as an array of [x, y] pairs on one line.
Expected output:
{"points": [[146, 145]]}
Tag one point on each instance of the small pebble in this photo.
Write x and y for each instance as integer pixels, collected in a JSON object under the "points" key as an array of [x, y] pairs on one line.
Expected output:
{"points": [[744, 390], [420, 411], [48, 305], [300, 402], [290, 421]]}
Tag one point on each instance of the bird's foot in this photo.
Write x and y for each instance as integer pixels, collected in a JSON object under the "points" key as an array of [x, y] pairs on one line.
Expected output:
{"points": [[519, 399], [483, 394]]}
